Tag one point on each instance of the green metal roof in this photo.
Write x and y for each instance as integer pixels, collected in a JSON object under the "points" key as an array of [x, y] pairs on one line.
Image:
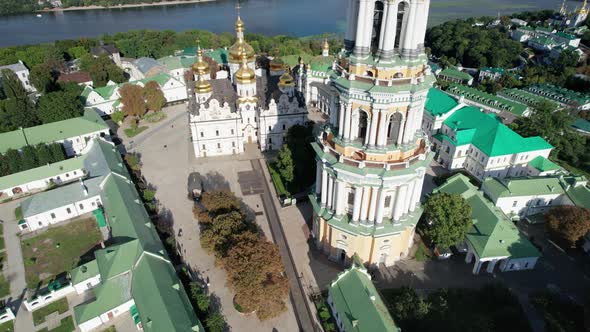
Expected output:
{"points": [[543, 164], [90, 122], [582, 124], [580, 196], [524, 186], [485, 98], [40, 173], [455, 73], [358, 302], [322, 63], [439, 103], [559, 94], [84, 272], [99, 216], [177, 62], [489, 134], [544, 40], [220, 55], [523, 96], [492, 234], [564, 35], [109, 295], [12, 140]]}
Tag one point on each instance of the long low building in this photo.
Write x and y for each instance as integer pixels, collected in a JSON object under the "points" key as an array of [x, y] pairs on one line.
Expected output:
{"points": [[526, 196], [134, 274], [105, 99], [508, 110], [493, 239], [74, 134], [482, 145]]}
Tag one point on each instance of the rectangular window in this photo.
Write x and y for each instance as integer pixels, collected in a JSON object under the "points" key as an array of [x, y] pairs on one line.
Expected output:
{"points": [[387, 201], [269, 128], [81, 206], [232, 131], [233, 144], [52, 215], [68, 210], [219, 145], [202, 134], [204, 147], [514, 203], [217, 132]]}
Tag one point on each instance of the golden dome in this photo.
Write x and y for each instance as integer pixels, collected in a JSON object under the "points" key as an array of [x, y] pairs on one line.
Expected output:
{"points": [[239, 24], [236, 50], [326, 44], [200, 67], [202, 86], [286, 80], [245, 74], [277, 64]]}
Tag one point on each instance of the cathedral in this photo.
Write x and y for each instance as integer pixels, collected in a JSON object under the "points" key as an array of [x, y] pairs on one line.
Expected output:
{"points": [[372, 154], [254, 105]]}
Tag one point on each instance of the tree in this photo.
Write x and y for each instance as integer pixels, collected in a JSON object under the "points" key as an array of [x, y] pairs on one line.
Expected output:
{"points": [[42, 77], [448, 217], [255, 271], [12, 86], [568, 224], [219, 235], [118, 116], [215, 322], [29, 157], [44, 156], [14, 161], [285, 165], [199, 297], [154, 97], [132, 100], [78, 52], [58, 106], [57, 152], [101, 70], [299, 139], [220, 202], [17, 110]]}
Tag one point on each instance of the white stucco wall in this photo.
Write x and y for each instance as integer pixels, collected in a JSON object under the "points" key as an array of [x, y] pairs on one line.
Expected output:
{"points": [[87, 284], [62, 213]]}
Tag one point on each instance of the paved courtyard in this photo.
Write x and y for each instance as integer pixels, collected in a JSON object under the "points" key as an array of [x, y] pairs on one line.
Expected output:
{"points": [[167, 159]]}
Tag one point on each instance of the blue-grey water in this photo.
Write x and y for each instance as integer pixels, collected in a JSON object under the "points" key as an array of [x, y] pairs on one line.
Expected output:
{"points": [[292, 17]]}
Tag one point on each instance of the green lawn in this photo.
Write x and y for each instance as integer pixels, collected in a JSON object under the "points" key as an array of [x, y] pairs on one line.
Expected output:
{"points": [[132, 132], [7, 326], [66, 325], [1, 241], [58, 250], [60, 306], [108, 329], [4, 287], [277, 181], [154, 117]]}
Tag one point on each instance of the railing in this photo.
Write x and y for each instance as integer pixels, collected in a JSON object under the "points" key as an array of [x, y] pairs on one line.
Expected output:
{"points": [[377, 81], [328, 147]]}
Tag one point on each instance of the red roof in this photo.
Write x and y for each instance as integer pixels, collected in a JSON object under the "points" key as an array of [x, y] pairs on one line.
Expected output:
{"points": [[77, 77]]}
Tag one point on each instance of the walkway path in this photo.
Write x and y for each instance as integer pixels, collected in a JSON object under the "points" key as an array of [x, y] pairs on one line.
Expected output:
{"points": [[15, 269], [301, 306]]}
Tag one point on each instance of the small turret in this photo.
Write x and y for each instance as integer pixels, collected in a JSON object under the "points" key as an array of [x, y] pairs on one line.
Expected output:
{"points": [[326, 48]]}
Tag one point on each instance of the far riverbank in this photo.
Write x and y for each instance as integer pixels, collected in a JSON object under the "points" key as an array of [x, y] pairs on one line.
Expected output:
{"points": [[131, 5]]}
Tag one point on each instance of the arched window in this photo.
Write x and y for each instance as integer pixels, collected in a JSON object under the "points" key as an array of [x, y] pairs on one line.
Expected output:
{"points": [[401, 17], [363, 122], [377, 21], [395, 124]]}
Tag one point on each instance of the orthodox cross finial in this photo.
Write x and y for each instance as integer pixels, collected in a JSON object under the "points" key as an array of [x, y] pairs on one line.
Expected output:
{"points": [[238, 7]]}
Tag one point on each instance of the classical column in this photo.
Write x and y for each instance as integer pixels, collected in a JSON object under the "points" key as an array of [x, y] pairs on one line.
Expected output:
{"points": [[407, 47], [341, 201], [477, 266], [330, 190], [417, 193], [382, 134], [347, 116], [351, 20], [369, 129], [365, 203], [491, 266], [356, 210], [381, 206], [408, 126], [410, 197], [324, 187], [369, 27], [341, 114], [469, 256], [400, 135], [374, 123], [375, 193], [318, 179], [400, 202], [383, 27], [359, 48], [390, 31]]}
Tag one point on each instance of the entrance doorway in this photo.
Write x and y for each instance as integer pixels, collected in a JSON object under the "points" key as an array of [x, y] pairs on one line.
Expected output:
{"points": [[383, 258], [249, 139], [341, 255]]}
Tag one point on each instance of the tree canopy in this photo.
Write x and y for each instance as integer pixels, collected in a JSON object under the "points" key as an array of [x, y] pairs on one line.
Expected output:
{"points": [[568, 224], [59, 105], [448, 219], [132, 100], [154, 97]]}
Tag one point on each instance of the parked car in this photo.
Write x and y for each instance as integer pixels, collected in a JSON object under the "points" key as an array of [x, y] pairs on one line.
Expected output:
{"points": [[195, 186]]}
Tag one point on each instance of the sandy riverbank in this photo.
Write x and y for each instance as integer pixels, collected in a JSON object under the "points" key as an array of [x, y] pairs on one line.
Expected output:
{"points": [[135, 5]]}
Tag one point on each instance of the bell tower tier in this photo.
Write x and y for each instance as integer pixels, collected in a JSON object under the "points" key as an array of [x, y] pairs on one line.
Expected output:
{"points": [[372, 154]]}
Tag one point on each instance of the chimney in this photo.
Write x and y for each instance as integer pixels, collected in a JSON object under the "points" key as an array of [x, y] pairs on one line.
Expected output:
{"points": [[84, 188]]}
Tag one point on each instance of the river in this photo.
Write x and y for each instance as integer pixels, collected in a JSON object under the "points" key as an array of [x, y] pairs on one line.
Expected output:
{"points": [[292, 17]]}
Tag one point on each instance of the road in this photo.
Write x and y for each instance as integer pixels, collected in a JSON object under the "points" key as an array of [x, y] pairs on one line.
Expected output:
{"points": [[303, 312]]}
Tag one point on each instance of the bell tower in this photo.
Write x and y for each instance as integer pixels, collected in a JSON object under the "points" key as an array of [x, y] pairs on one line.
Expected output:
{"points": [[384, 28]]}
